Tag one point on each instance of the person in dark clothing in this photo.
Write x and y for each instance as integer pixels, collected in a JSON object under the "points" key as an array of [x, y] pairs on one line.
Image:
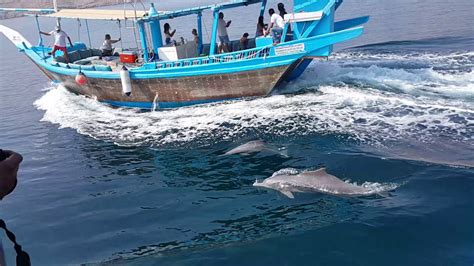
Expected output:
{"points": [[282, 10], [244, 42], [260, 27]]}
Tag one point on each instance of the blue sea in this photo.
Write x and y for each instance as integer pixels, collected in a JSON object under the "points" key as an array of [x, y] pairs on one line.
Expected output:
{"points": [[393, 109]]}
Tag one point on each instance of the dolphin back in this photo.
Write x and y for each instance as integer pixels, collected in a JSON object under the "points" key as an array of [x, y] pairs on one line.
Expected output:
{"points": [[315, 181]]}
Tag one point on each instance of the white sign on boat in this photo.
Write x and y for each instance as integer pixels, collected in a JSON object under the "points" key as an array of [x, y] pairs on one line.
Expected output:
{"points": [[290, 49]]}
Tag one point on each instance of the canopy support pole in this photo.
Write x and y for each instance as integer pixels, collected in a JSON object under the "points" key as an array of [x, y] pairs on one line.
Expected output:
{"points": [[55, 7], [155, 31], [79, 30], [88, 34], [156, 38], [120, 33], [262, 7], [141, 30], [40, 41], [199, 29], [212, 49]]}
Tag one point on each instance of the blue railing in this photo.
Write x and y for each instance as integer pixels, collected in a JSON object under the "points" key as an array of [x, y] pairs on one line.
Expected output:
{"points": [[221, 58]]}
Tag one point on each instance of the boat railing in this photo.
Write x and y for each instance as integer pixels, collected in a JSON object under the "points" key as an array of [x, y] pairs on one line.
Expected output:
{"points": [[222, 58]]}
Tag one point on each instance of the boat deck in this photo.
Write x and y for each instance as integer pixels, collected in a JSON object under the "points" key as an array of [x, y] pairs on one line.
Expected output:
{"points": [[91, 59]]}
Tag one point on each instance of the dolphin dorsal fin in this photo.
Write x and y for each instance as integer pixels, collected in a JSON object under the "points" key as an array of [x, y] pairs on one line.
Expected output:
{"points": [[321, 171], [287, 193]]}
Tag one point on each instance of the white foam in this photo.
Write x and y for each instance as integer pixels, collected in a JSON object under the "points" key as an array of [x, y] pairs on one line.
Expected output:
{"points": [[372, 104], [286, 171], [416, 82]]}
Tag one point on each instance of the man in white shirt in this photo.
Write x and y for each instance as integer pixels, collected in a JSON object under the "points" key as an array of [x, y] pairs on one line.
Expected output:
{"points": [[276, 26], [59, 41], [222, 26]]}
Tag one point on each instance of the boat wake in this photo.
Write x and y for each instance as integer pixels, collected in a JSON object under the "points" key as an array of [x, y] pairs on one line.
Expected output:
{"points": [[371, 97]]}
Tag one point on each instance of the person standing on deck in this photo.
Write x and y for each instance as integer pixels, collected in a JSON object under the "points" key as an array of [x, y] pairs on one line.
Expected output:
{"points": [[196, 41], [59, 41], [260, 27], [276, 26], [168, 34], [224, 40], [282, 10]]}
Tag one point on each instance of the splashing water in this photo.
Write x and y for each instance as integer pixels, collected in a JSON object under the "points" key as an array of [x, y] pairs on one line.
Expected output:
{"points": [[360, 94]]}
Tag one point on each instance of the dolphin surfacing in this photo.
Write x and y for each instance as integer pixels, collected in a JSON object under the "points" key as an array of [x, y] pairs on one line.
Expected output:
{"points": [[315, 181], [253, 147]]}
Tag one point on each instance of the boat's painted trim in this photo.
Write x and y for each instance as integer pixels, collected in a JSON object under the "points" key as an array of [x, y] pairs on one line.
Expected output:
{"points": [[16, 9], [311, 44]]}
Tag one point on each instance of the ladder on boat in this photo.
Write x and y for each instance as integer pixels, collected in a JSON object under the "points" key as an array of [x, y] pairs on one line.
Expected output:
{"points": [[133, 25]]}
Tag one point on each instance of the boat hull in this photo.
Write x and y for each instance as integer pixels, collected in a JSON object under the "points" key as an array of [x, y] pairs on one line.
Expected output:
{"points": [[176, 92]]}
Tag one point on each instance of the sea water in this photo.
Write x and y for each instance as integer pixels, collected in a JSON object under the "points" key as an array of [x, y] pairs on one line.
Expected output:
{"points": [[120, 186]]}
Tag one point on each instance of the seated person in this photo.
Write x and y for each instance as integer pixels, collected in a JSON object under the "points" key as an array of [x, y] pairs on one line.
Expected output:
{"points": [[106, 48], [244, 42]]}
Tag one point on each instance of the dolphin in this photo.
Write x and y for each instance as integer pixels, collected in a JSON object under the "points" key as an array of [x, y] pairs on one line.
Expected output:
{"points": [[252, 147], [314, 181]]}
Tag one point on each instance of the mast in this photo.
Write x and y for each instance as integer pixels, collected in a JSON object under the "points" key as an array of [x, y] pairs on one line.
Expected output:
{"points": [[55, 7]]}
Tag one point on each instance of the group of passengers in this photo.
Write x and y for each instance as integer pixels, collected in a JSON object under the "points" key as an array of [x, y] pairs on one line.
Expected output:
{"points": [[60, 43], [275, 27]]}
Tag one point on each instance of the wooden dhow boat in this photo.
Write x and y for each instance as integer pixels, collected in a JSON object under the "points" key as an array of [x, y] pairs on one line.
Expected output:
{"points": [[174, 76]]}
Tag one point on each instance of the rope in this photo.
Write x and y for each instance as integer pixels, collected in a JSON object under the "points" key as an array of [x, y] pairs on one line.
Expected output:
{"points": [[22, 258]]}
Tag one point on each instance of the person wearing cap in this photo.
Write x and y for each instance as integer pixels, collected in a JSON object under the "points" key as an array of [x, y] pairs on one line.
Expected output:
{"points": [[59, 41]]}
